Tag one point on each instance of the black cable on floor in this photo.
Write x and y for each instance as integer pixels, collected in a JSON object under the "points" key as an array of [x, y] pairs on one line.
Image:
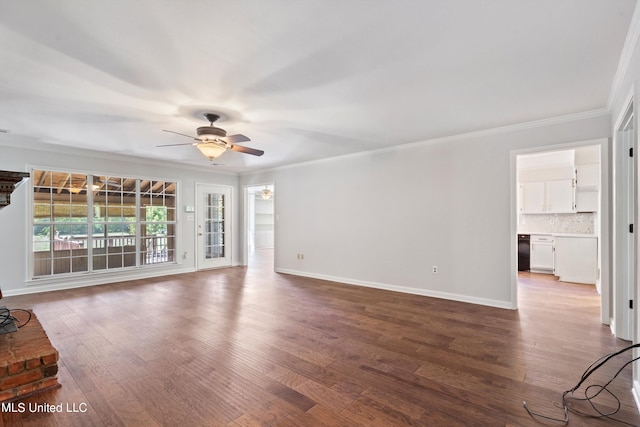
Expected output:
{"points": [[6, 317], [595, 389]]}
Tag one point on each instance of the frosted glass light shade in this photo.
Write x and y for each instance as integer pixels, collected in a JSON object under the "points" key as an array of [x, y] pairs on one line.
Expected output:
{"points": [[211, 149]]}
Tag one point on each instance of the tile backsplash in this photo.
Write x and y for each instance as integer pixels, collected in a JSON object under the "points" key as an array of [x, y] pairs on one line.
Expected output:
{"points": [[578, 223]]}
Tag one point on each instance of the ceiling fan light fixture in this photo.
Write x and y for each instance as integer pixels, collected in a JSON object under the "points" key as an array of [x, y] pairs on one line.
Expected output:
{"points": [[210, 133], [266, 194], [211, 149]]}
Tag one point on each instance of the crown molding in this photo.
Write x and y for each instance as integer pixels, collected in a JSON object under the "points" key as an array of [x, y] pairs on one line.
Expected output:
{"points": [[458, 137], [29, 143], [630, 42]]}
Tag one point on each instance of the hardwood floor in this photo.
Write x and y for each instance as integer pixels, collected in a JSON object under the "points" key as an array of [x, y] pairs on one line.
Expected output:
{"points": [[249, 347]]}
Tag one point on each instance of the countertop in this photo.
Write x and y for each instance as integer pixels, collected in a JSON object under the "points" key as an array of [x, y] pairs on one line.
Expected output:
{"points": [[560, 234]]}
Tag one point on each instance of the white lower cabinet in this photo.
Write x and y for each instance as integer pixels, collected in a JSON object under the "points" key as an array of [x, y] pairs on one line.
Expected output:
{"points": [[542, 257], [576, 259]]}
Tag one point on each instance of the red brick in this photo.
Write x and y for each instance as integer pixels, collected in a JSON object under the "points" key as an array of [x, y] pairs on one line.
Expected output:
{"points": [[49, 382], [25, 389], [27, 356], [32, 363], [50, 359], [20, 379], [15, 367], [6, 395]]}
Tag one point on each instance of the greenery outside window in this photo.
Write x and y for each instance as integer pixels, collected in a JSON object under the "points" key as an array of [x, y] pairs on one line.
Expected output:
{"points": [[132, 222]]}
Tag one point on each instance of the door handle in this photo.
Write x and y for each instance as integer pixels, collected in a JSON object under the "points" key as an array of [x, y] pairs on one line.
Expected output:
{"points": [[199, 234]]}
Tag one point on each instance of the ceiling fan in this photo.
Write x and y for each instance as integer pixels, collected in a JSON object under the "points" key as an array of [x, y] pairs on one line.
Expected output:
{"points": [[213, 141]]}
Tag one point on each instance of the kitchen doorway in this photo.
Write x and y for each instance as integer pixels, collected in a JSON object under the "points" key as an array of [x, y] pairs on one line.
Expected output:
{"points": [[259, 221], [560, 200]]}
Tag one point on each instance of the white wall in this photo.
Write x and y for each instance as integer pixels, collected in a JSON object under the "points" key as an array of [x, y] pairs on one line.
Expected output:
{"points": [[15, 224], [627, 88], [383, 219]]}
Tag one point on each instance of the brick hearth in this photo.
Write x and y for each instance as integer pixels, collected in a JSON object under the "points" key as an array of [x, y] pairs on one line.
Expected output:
{"points": [[28, 362]]}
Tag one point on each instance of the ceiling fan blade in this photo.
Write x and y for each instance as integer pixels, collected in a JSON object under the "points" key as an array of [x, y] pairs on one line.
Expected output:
{"points": [[247, 150], [178, 133], [236, 138], [174, 145]]}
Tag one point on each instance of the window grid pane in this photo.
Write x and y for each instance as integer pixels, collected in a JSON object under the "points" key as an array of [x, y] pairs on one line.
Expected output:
{"points": [[214, 238], [158, 214], [63, 215]]}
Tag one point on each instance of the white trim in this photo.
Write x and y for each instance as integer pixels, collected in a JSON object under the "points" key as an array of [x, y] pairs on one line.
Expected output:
{"points": [[635, 392], [630, 42], [48, 285], [26, 143], [602, 215], [475, 134], [403, 289], [229, 240], [624, 181], [624, 111], [29, 266], [245, 220]]}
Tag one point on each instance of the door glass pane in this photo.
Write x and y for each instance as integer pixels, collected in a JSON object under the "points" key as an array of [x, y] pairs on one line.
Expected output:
{"points": [[214, 217]]}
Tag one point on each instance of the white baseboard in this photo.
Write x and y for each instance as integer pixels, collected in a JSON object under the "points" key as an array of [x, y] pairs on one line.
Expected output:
{"points": [[403, 289], [58, 284], [635, 391], [612, 326]]}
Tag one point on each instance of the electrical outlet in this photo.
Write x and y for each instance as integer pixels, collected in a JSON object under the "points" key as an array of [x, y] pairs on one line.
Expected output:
{"points": [[300, 257], [434, 269]]}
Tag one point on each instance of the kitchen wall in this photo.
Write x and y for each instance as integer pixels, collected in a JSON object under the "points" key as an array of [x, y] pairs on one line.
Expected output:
{"points": [[578, 223]]}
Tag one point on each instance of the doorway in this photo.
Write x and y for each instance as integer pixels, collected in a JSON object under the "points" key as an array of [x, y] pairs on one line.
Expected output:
{"points": [[543, 180], [213, 228], [624, 241], [259, 220]]}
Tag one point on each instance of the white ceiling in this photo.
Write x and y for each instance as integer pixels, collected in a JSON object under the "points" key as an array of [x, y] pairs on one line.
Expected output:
{"points": [[304, 79]]}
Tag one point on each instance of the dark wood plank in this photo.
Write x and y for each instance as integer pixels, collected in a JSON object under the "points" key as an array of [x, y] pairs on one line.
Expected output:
{"points": [[249, 347]]}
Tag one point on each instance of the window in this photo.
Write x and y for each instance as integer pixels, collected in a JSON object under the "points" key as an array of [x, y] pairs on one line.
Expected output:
{"points": [[132, 222], [214, 244], [158, 222]]}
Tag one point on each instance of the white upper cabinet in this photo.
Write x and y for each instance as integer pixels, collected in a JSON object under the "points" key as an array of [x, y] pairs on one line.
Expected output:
{"points": [[547, 197], [564, 181], [561, 196], [532, 197], [588, 176], [587, 187]]}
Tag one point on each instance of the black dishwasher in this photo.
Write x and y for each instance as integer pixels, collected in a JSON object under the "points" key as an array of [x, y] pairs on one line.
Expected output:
{"points": [[523, 252]]}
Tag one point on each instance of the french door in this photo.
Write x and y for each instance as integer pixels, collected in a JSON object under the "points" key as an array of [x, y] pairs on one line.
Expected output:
{"points": [[213, 235]]}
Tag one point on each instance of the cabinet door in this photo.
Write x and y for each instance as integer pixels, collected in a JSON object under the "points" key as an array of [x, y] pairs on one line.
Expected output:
{"points": [[586, 201], [532, 197], [577, 259], [560, 196], [588, 176], [542, 256]]}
